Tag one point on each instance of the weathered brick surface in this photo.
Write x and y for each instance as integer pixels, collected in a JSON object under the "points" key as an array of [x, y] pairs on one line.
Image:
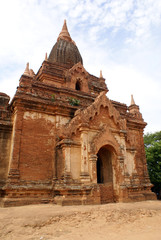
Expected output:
{"points": [[5, 139], [37, 147], [106, 193], [5, 142]]}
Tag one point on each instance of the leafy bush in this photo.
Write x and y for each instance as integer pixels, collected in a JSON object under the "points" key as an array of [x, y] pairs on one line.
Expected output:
{"points": [[53, 97], [73, 101], [152, 142]]}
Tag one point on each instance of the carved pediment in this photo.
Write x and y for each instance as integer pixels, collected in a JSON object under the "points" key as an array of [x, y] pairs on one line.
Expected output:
{"points": [[77, 74], [78, 68], [83, 117]]}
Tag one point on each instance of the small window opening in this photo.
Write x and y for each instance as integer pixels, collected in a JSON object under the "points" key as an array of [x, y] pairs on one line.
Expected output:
{"points": [[78, 86]]}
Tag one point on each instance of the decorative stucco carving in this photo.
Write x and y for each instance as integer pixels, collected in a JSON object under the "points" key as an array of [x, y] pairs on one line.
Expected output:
{"points": [[77, 73], [86, 115], [100, 139], [78, 67]]}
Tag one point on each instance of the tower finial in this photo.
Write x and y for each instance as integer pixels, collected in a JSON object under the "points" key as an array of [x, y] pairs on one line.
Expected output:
{"points": [[27, 71], [46, 57], [64, 34], [134, 109], [101, 76], [132, 100]]}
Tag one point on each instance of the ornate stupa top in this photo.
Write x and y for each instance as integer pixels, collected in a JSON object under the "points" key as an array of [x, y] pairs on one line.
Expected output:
{"points": [[65, 50], [64, 34]]}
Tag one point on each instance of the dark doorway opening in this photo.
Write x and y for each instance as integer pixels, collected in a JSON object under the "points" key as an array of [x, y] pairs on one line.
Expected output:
{"points": [[105, 157], [99, 171], [104, 166]]}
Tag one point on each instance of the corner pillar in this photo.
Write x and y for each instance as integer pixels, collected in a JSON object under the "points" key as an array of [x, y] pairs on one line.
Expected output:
{"points": [[93, 168], [13, 174], [65, 145], [67, 160], [84, 175], [122, 192]]}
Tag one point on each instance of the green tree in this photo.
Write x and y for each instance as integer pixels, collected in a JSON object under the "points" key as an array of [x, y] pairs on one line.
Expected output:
{"points": [[152, 143]]}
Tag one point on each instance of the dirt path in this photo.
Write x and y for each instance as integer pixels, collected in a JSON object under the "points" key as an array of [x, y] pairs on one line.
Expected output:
{"points": [[120, 221]]}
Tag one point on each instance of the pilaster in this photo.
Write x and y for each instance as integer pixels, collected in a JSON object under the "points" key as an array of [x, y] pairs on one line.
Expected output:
{"points": [[84, 175], [93, 168], [65, 145], [14, 175]]}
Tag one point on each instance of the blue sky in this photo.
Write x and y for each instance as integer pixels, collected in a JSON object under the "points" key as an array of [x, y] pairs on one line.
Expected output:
{"points": [[119, 37]]}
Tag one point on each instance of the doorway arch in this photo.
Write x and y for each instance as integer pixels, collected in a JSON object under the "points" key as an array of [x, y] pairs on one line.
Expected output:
{"points": [[104, 165], [105, 158]]}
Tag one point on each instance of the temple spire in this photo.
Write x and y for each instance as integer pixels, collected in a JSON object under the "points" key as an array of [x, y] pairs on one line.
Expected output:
{"points": [[27, 71], [132, 100], [64, 34], [101, 76], [134, 109], [46, 57]]}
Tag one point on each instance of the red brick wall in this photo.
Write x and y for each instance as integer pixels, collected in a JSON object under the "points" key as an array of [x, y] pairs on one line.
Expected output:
{"points": [[37, 148], [137, 141]]}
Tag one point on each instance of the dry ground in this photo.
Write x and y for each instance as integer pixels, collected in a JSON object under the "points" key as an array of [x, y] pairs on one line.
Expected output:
{"points": [[119, 221]]}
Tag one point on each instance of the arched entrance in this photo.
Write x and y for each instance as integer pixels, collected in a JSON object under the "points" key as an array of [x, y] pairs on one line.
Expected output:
{"points": [[105, 173]]}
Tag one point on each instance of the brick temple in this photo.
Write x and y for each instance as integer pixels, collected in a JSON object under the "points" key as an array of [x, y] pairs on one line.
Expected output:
{"points": [[62, 140]]}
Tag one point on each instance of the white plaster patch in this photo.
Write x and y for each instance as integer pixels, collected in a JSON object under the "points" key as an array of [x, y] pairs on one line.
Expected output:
{"points": [[64, 120], [35, 115], [91, 135], [60, 120], [129, 157], [129, 163]]}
